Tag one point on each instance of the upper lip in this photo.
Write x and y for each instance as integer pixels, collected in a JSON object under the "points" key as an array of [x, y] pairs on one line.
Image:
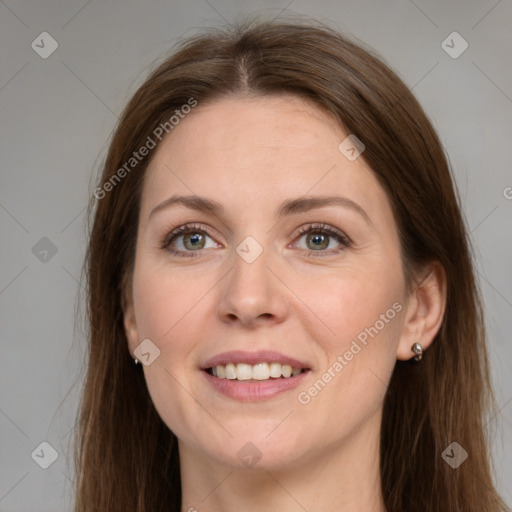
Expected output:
{"points": [[252, 358]]}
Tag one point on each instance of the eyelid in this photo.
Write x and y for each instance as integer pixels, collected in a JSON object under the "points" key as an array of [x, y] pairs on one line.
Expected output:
{"points": [[323, 227], [320, 227], [312, 227], [186, 228]]}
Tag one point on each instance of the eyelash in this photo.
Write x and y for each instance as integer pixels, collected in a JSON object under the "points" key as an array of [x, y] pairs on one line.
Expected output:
{"points": [[316, 228]]}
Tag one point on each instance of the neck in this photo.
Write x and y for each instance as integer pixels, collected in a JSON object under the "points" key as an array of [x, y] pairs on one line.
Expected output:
{"points": [[343, 477]]}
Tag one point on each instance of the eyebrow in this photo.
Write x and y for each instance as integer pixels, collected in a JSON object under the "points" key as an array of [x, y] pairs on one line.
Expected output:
{"points": [[289, 207]]}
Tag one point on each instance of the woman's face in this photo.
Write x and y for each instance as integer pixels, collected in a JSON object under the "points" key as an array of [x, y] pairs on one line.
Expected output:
{"points": [[268, 272]]}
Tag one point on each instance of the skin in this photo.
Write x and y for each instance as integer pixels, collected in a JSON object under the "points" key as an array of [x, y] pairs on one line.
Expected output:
{"points": [[250, 155]]}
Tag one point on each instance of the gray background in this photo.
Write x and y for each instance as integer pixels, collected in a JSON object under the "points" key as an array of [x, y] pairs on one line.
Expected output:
{"points": [[57, 115]]}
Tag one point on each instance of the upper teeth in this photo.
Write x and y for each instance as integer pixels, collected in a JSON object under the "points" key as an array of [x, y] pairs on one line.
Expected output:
{"points": [[260, 371]]}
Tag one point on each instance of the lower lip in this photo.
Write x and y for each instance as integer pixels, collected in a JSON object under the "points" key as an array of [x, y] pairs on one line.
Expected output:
{"points": [[254, 391]]}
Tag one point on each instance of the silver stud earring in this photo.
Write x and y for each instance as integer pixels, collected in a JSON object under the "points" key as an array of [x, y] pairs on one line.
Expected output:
{"points": [[136, 361], [418, 350]]}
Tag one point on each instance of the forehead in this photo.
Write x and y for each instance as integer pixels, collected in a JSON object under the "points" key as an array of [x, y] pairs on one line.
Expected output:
{"points": [[261, 149]]}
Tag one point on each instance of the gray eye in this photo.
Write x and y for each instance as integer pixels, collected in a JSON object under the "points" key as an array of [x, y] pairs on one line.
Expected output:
{"points": [[318, 240], [193, 241], [315, 240]]}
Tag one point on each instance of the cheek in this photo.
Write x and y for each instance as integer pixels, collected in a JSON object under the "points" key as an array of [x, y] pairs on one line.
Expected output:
{"points": [[164, 305], [353, 298], [361, 313], [164, 300]]}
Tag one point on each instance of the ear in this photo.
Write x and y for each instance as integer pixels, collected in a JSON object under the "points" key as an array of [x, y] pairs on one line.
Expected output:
{"points": [[424, 312], [130, 323]]}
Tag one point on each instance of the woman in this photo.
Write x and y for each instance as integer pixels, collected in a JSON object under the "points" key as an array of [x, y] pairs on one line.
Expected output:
{"points": [[282, 304]]}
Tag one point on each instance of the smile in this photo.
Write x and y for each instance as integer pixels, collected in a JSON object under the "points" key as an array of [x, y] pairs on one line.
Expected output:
{"points": [[258, 372], [253, 376]]}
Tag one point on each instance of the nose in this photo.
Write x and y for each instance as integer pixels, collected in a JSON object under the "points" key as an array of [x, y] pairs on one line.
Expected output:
{"points": [[252, 294]]}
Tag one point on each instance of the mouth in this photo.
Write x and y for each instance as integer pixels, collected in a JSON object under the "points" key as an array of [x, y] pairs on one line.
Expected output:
{"points": [[256, 376], [255, 373]]}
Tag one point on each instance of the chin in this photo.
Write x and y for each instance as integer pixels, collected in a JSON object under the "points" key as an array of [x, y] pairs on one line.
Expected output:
{"points": [[257, 453]]}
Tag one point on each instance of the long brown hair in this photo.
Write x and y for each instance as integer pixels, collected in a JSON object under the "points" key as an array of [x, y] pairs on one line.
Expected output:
{"points": [[126, 458]]}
